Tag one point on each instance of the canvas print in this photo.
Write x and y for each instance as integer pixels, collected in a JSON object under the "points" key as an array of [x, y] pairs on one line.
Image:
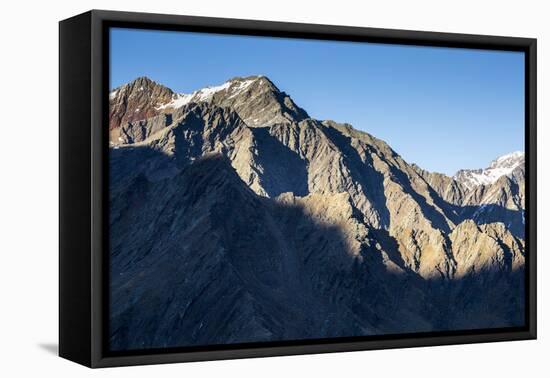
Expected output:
{"points": [[272, 189]]}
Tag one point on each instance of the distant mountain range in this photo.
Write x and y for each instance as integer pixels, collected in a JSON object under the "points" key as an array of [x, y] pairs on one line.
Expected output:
{"points": [[235, 217], [506, 165]]}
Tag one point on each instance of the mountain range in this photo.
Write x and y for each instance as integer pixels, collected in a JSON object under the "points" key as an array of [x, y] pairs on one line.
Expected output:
{"points": [[235, 217]]}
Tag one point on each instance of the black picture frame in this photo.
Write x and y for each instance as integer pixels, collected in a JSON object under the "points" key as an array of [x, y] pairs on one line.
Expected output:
{"points": [[83, 165]]}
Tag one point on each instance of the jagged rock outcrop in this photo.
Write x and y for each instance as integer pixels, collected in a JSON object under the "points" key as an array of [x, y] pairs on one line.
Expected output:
{"points": [[487, 247], [236, 217], [135, 101]]}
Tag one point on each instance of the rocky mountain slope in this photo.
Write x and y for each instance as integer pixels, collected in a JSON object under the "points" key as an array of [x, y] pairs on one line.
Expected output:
{"points": [[235, 217]]}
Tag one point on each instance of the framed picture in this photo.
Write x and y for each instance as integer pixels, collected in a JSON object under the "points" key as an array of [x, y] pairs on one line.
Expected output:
{"points": [[235, 188]]}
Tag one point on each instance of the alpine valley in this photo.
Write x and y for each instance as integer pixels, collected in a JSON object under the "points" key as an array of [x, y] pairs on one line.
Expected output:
{"points": [[235, 217]]}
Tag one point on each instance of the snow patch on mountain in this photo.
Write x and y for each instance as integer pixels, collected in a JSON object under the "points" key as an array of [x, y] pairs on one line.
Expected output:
{"points": [[233, 87], [510, 160], [207, 93], [180, 99], [242, 86], [501, 166]]}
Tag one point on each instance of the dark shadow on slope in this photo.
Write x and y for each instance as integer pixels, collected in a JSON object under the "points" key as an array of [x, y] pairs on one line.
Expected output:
{"points": [[375, 192], [452, 212], [189, 136], [483, 214], [139, 130], [290, 107], [193, 122], [483, 299], [491, 213], [197, 258], [195, 128], [436, 218], [390, 246], [364, 172], [284, 170]]}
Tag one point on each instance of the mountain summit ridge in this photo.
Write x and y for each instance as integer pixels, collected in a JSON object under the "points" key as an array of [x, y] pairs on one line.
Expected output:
{"points": [[237, 85], [503, 165], [244, 94]]}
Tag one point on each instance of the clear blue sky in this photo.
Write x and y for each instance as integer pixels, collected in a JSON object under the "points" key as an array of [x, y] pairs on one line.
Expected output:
{"points": [[443, 109]]}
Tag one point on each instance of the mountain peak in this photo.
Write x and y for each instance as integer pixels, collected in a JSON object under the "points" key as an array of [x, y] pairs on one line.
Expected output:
{"points": [[501, 166], [143, 80], [245, 94], [140, 83], [510, 160], [249, 77], [255, 98], [248, 94], [255, 79], [136, 100]]}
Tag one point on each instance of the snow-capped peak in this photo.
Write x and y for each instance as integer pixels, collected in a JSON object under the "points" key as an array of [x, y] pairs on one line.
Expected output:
{"points": [[233, 88], [510, 160], [501, 166]]}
